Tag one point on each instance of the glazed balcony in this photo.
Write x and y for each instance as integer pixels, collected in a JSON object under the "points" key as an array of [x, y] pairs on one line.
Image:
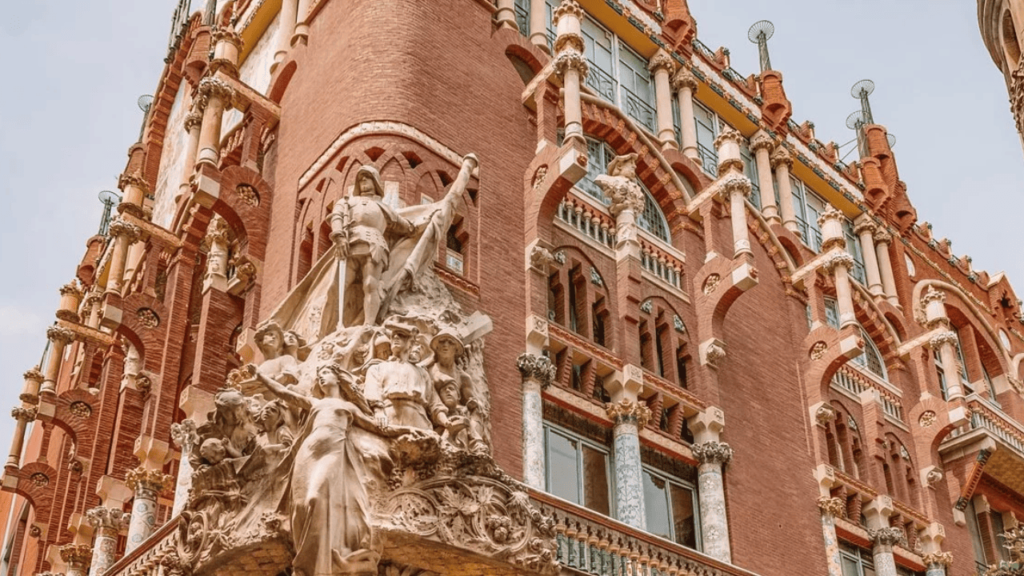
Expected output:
{"points": [[993, 439]]}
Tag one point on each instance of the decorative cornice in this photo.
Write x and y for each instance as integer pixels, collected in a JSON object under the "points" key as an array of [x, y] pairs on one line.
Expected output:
{"points": [[712, 452], [141, 479], [630, 412], [58, 334], [832, 507], [684, 79], [537, 368]]}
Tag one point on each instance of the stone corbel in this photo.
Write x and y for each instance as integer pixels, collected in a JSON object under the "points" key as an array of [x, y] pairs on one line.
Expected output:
{"points": [[626, 384], [152, 453], [707, 425], [245, 97], [712, 352], [537, 335]]}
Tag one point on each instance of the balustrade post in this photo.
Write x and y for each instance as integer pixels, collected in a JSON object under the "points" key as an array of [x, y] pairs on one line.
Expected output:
{"points": [[882, 536], [661, 67], [107, 523], [712, 455], [882, 241], [782, 162], [685, 84], [147, 485], [628, 414], [761, 145], [865, 229], [59, 339], [218, 95], [571, 65], [538, 372]]}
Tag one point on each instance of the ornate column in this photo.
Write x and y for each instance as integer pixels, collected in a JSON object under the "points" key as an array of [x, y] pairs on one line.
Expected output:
{"points": [[538, 372], [831, 508], [226, 49], [506, 14], [22, 417], [538, 24], [77, 558], [125, 235], [882, 241], [59, 339], [685, 84], [107, 523], [94, 302], [217, 238], [735, 187], [70, 299], [218, 95], [289, 12], [945, 343], [570, 64], [838, 262], [186, 437], [628, 415], [30, 390], [882, 535], [935, 560], [865, 230], [781, 163], [147, 485], [712, 455], [761, 145], [193, 124], [661, 67]]}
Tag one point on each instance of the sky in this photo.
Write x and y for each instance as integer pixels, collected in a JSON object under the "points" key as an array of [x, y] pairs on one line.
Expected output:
{"points": [[74, 71]]}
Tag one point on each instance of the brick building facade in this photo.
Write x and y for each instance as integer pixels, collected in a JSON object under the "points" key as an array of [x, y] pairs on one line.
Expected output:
{"points": [[716, 347]]}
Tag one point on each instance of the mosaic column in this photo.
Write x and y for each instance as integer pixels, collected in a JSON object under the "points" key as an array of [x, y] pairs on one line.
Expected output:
{"points": [[570, 64], [714, 523], [77, 558], [937, 563], [186, 437], [538, 372], [831, 508], [883, 540], [782, 162], [147, 485], [107, 523], [629, 416], [59, 338], [685, 84]]}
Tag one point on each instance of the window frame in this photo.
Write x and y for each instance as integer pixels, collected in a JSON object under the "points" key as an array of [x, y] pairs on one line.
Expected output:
{"points": [[549, 428], [693, 488]]}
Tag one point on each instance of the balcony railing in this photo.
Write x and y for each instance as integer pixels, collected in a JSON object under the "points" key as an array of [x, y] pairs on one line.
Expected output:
{"points": [[661, 264], [984, 417], [708, 159], [587, 220], [639, 110], [855, 382], [702, 49], [601, 82], [589, 543]]}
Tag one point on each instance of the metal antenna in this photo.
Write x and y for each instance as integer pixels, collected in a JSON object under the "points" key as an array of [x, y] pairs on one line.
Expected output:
{"points": [[145, 102], [759, 34], [856, 123], [891, 138], [109, 199], [861, 90]]}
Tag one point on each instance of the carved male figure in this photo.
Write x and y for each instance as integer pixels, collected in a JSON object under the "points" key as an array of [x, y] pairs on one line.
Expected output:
{"points": [[400, 392], [360, 225], [461, 420]]}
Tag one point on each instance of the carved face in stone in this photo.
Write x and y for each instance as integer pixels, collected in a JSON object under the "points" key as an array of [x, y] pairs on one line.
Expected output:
{"points": [[270, 416], [212, 451], [327, 381], [400, 342], [416, 350], [368, 182], [449, 394], [270, 341], [291, 342]]}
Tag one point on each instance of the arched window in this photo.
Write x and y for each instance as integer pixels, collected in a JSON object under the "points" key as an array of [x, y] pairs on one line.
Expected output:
{"points": [[653, 219], [871, 358]]}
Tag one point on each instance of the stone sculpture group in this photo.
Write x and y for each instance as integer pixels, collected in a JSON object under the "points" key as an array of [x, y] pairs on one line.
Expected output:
{"points": [[366, 426]]}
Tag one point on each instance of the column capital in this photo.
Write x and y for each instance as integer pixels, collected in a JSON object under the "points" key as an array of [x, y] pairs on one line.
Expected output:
{"points": [[938, 559], [712, 452], [865, 226], [218, 230], [72, 289], [938, 340], [684, 78], [627, 412], [108, 521], [141, 479], [837, 258], [24, 414], [661, 61], [228, 34], [57, 334], [571, 60], [537, 368], [194, 119], [34, 374], [780, 157], [761, 140], [830, 222], [882, 236], [135, 179], [76, 555], [566, 8], [832, 507], [119, 227], [212, 87], [932, 295], [888, 536], [736, 183]]}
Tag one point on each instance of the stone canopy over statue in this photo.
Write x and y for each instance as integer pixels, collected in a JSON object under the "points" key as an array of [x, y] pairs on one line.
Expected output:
{"points": [[365, 429]]}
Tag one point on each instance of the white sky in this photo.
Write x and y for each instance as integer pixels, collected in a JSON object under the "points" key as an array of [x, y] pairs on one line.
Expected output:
{"points": [[73, 70]]}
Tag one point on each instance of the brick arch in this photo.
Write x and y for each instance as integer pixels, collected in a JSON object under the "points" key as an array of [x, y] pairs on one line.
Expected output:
{"points": [[873, 320], [971, 313], [772, 245], [282, 78], [584, 257], [144, 339], [249, 223], [839, 349], [39, 497], [80, 429]]}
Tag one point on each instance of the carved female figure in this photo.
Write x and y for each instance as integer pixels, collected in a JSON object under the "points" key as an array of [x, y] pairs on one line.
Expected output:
{"points": [[280, 353], [329, 500]]}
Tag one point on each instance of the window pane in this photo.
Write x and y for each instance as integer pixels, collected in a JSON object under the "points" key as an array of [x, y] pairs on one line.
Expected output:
{"points": [[684, 517], [563, 480], [598, 48], [850, 567], [595, 480], [656, 506]]}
